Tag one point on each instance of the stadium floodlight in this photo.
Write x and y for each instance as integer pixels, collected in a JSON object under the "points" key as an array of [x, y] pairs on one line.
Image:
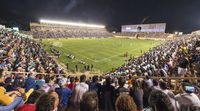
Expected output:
{"points": [[71, 23], [176, 32]]}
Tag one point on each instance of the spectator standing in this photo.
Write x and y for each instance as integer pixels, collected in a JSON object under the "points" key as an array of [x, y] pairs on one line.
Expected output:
{"points": [[106, 96], [64, 95], [71, 85], [137, 93], [188, 98], [121, 89], [77, 94]]}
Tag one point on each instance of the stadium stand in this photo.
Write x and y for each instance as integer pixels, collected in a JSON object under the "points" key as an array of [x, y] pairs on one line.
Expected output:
{"points": [[196, 32], [144, 31], [166, 58], [156, 27], [122, 90], [41, 30], [24, 54], [144, 35]]}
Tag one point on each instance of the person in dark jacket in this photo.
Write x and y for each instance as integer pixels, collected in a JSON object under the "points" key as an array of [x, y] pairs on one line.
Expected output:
{"points": [[95, 86], [136, 93], [121, 89], [107, 101]]}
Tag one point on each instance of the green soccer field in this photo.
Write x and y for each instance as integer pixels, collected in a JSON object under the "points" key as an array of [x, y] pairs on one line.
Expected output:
{"points": [[104, 53]]}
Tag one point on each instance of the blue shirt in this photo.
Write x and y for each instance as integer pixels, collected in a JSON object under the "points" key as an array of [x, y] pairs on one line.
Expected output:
{"points": [[16, 103], [64, 95], [40, 83], [30, 83]]}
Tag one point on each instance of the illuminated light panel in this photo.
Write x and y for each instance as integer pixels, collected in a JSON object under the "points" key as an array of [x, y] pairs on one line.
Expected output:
{"points": [[71, 23]]}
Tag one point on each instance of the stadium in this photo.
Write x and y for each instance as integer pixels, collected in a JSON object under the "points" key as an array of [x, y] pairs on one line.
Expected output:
{"points": [[67, 65], [79, 39]]}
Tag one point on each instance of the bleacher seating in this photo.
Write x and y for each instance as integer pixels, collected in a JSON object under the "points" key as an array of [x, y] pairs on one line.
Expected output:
{"points": [[67, 31]]}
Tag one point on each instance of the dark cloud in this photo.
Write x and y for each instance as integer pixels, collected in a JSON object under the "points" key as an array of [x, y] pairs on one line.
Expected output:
{"points": [[181, 15]]}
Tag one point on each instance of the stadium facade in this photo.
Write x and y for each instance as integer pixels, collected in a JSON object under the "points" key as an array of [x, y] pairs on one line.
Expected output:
{"points": [[157, 27]]}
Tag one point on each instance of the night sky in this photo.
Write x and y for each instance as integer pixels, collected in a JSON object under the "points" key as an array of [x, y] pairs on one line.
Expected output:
{"points": [[180, 15]]}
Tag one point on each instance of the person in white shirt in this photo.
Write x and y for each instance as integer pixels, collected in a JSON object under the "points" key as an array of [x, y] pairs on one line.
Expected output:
{"points": [[77, 94], [188, 97], [170, 95]]}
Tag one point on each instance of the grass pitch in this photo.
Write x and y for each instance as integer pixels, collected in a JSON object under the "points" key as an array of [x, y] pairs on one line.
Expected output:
{"points": [[104, 53]]}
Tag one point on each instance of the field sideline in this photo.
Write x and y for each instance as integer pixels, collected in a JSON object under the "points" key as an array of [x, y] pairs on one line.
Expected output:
{"points": [[104, 53]]}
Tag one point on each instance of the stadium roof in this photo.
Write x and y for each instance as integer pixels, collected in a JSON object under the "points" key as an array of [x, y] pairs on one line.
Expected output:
{"points": [[71, 23]]}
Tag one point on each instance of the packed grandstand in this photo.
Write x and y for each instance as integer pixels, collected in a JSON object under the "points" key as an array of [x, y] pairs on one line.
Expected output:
{"points": [[52, 29], [165, 78]]}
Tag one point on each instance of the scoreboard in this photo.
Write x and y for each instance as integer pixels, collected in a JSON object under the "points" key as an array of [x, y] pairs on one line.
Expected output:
{"points": [[157, 27]]}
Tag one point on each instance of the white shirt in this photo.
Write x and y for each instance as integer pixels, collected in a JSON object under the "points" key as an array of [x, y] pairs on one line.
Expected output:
{"points": [[78, 92], [188, 99], [171, 96]]}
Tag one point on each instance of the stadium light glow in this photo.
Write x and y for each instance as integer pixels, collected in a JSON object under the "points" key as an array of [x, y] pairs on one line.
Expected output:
{"points": [[71, 23]]}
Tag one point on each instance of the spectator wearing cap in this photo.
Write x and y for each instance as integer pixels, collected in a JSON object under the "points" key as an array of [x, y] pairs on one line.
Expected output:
{"points": [[64, 95]]}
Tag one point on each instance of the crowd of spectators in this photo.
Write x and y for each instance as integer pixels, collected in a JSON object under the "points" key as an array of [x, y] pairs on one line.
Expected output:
{"points": [[172, 58], [122, 90], [60, 31], [24, 55], [53, 93], [177, 58]]}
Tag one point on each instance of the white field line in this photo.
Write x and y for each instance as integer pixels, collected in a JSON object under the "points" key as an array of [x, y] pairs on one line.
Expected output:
{"points": [[108, 58], [104, 59], [80, 55]]}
